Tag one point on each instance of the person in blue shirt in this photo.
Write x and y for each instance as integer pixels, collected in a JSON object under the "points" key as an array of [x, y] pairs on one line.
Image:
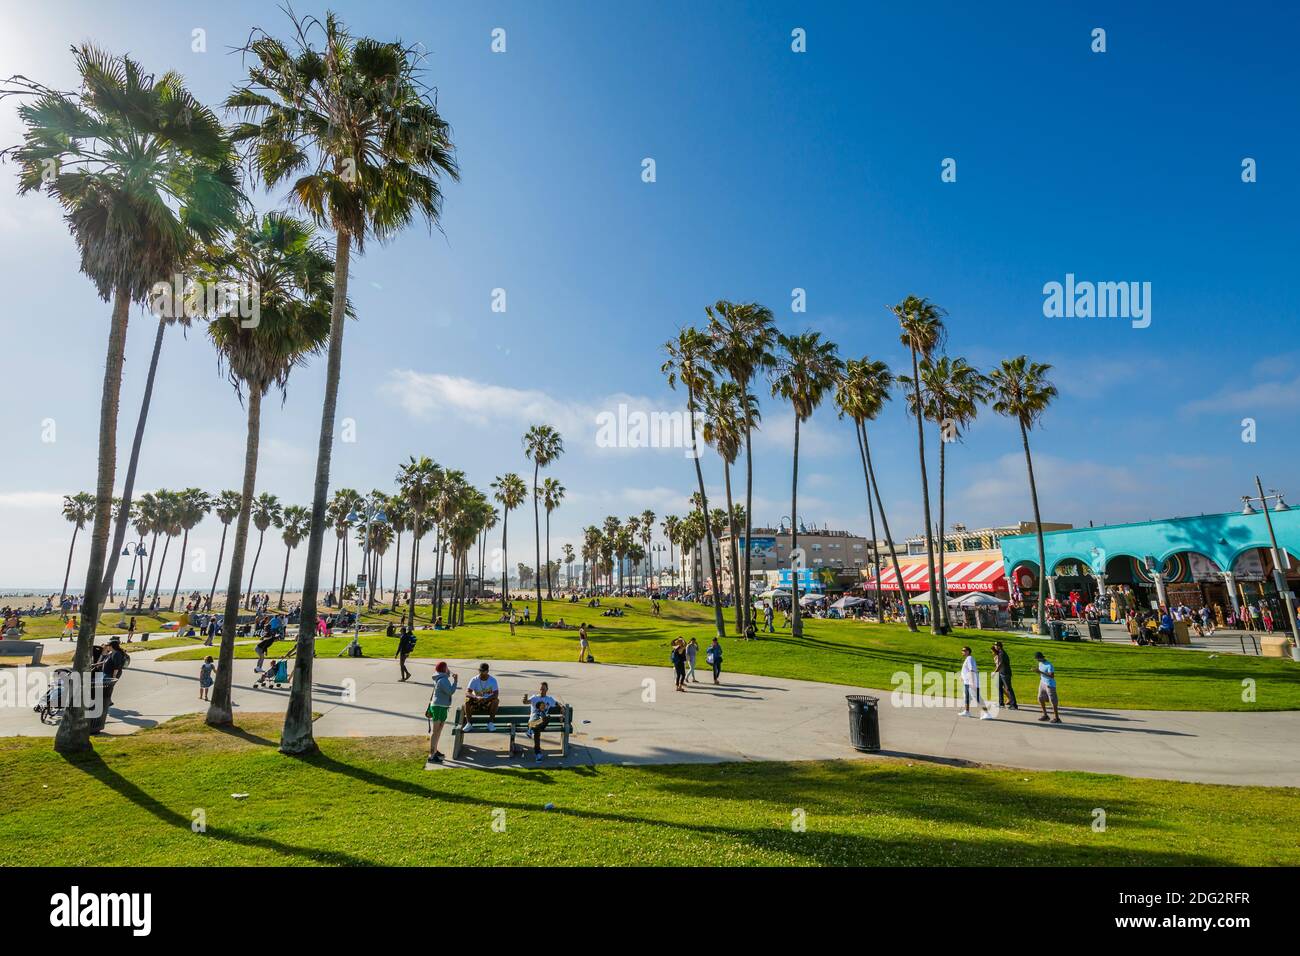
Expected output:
{"points": [[1166, 626], [444, 688], [1047, 688]]}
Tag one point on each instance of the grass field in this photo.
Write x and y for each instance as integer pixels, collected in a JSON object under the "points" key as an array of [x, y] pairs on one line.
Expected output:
{"points": [[861, 654], [369, 801]]}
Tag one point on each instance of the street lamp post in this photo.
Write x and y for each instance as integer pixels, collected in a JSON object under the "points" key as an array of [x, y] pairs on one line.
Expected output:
{"points": [[1279, 576], [372, 513], [135, 553]]}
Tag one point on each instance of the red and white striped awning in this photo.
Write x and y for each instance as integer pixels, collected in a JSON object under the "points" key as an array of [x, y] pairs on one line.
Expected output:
{"points": [[962, 576]]}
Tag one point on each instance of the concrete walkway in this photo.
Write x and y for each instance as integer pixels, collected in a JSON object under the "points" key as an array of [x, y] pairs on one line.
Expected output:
{"points": [[631, 714]]}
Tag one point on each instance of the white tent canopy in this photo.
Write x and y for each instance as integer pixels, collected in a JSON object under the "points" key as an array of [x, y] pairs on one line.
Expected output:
{"points": [[774, 593], [847, 602], [812, 599], [976, 599]]}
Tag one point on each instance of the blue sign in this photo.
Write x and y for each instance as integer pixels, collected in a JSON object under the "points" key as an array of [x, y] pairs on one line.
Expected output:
{"points": [[808, 580]]}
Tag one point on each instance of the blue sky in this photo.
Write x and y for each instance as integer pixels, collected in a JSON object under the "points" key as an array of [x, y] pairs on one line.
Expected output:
{"points": [[775, 171]]}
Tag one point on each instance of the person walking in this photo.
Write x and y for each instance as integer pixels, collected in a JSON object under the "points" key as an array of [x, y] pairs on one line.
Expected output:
{"points": [[1047, 687], [206, 670], [262, 647], [444, 689], [1002, 674], [714, 658], [130, 631], [970, 676], [692, 650], [678, 657], [405, 647]]}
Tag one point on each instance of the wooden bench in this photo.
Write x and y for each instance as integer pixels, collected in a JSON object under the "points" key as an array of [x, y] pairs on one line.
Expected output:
{"points": [[512, 719], [12, 648]]}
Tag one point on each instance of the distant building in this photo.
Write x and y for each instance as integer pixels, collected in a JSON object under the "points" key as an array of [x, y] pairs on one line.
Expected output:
{"points": [[972, 560], [842, 552]]}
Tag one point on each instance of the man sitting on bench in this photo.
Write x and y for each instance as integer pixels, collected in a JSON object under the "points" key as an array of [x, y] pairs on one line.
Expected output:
{"points": [[483, 697], [541, 704]]}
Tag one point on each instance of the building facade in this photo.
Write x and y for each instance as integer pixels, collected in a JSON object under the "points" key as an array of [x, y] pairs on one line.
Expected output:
{"points": [[823, 549]]}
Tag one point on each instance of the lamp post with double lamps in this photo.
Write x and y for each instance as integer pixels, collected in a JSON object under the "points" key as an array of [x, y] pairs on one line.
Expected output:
{"points": [[135, 552], [371, 513], [1279, 575]]}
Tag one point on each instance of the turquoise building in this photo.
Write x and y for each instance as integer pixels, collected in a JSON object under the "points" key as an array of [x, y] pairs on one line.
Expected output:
{"points": [[1222, 559]]}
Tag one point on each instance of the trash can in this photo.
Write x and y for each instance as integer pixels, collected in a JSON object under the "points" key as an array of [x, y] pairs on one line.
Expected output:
{"points": [[864, 722], [101, 698], [1094, 630], [1057, 630]]}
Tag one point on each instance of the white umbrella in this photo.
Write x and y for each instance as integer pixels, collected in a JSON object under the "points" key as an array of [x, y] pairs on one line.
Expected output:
{"points": [[976, 599], [847, 602], [774, 593], [812, 598]]}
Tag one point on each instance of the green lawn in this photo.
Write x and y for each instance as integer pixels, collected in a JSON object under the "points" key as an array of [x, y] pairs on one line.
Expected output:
{"points": [[864, 655], [370, 802]]}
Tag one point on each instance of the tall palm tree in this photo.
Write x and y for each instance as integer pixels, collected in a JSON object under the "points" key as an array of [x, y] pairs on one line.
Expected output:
{"points": [[687, 362], [143, 171], [647, 532], [353, 125], [728, 414], [193, 507], [292, 271], [399, 519], [295, 521], [567, 550], [921, 325], [744, 336], [148, 517], [226, 506], [542, 445], [170, 525], [952, 390], [489, 522], [418, 482], [633, 527], [671, 527], [861, 393], [381, 539], [79, 509], [591, 539], [1020, 390], [806, 369], [552, 496], [510, 492]]}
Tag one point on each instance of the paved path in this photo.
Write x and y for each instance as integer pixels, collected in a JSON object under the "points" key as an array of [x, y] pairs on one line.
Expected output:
{"points": [[747, 718]]}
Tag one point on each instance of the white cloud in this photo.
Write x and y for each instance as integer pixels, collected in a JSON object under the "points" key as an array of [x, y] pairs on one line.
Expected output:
{"points": [[1256, 398]]}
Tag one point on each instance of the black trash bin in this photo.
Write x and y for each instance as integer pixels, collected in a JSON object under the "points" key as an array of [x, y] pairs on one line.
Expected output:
{"points": [[101, 698], [1094, 630], [1057, 629], [864, 722]]}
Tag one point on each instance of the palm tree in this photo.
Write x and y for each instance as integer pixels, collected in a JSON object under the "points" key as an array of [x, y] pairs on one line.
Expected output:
{"points": [[293, 274], [148, 518], [227, 506], [922, 331], [170, 526], [1020, 390], [143, 171], [193, 506], [418, 482], [744, 336], [399, 519], [952, 391], [728, 415], [295, 522], [567, 550], [381, 538], [79, 509], [671, 527], [542, 445], [861, 393], [687, 362], [647, 531], [806, 369], [510, 492], [489, 522], [552, 496], [591, 540], [633, 527], [355, 128]]}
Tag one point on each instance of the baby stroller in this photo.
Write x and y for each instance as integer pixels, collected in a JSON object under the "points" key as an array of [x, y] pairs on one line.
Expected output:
{"points": [[56, 697], [276, 673]]}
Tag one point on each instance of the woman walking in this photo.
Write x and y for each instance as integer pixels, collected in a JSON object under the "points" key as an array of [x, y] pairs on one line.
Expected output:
{"points": [[678, 657], [692, 649], [714, 657]]}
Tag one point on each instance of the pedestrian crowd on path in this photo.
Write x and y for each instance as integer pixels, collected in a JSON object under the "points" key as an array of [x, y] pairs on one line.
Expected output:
{"points": [[1001, 679]]}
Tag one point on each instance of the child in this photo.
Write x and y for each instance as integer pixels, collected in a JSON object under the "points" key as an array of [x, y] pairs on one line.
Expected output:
{"points": [[205, 676]]}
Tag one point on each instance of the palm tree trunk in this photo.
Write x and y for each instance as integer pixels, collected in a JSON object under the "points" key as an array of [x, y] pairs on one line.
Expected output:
{"points": [[185, 543], [73, 735], [505, 560], [397, 569], [220, 708], [284, 578], [415, 553], [68, 570], [749, 503], [871, 517], [1038, 529], [718, 621], [796, 623], [157, 581], [944, 625], [297, 735], [537, 542], [148, 572], [549, 594], [334, 578], [128, 485], [884, 525], [925, 501], [735, 556], [220, 554]]}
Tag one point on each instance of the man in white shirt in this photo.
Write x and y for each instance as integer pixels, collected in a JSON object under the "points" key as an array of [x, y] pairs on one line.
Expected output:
{"points": [[541, 704], [483, 696], [970, 677]]}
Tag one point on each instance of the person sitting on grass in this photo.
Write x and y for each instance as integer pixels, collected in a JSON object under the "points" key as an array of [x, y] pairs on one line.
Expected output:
{"points": [[483, 696], [541, 704]]}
